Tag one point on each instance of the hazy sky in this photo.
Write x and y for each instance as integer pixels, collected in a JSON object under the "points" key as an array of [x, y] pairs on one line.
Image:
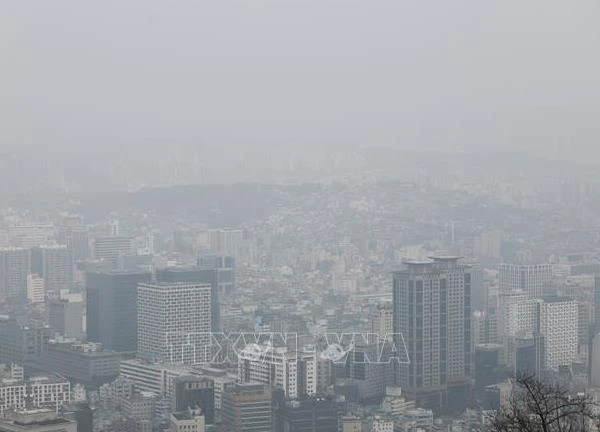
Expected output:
{"points": [[104, 74]]}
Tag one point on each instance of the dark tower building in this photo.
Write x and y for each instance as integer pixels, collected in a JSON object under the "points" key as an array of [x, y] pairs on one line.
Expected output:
{"points": [[362, 376], [529, 355], [307, 415], [111, 301], [432, 311], [82, 414], [190, 392], [487, 366]]}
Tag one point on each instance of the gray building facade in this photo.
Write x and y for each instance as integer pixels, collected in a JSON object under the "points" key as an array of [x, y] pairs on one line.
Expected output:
{"points": [[432, 312], [111, 303]]}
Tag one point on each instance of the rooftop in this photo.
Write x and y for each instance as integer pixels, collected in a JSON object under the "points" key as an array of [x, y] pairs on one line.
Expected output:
{"points": [[187, 414]]}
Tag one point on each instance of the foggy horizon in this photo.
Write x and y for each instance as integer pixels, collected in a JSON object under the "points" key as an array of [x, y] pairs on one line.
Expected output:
{"points": [[460, 76]]}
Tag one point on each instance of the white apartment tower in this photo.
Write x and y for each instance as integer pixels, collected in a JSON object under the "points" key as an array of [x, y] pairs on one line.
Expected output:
{"points": [[559, 321], [518, 314], [532, 280], [174, 322], [556, 319]]}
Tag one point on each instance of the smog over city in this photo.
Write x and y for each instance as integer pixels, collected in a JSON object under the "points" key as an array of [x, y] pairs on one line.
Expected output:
{"points": [[299, 216]]}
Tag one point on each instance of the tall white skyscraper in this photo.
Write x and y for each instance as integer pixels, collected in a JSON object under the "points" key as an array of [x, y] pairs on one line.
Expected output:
{"points": [[518, 314], [532, 280], [556, 319], [174, 321], [559, 323]]}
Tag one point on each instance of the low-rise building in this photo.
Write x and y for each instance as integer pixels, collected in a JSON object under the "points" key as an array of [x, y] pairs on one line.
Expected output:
{"points": [[36, 420], [52, 391], [187, 421], [86, 363], [154, 377]]}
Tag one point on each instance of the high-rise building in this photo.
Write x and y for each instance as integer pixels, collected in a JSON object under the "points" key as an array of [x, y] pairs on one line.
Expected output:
{"points": [[111, 303], [224, 267], [381, 320], [545, 331], [66, 317], [432, 312], [518, 314], [192, 392], [559, 326], [74, 234], [220, 274], [531, 280], [14, 268], [110, 249], [53, 263], [485, 328], [366, 371], [487, 365], [22, 341], [31, 235], [174, 321], [529, 355], [36, 288], [479, 290], [247, 408]]}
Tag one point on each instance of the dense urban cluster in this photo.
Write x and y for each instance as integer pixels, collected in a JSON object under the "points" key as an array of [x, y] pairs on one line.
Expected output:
{"points": [[355, 305]]}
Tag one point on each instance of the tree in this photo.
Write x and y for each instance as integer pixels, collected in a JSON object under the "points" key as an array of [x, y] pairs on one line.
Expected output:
{"points": [[537, 406]]}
